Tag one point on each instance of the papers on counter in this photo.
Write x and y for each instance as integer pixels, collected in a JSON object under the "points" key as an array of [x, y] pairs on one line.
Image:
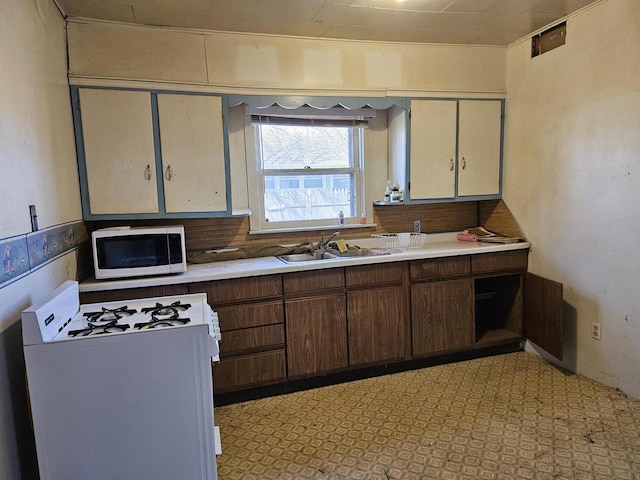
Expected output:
{"points": [[485, 235]]}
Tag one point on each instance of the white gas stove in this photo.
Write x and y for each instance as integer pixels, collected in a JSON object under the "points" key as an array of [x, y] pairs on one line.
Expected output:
{"points": [[61, 317], [133, 376]]}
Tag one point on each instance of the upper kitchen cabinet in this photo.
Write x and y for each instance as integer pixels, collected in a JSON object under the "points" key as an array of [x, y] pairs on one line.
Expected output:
{"points": [[455, 150], [192, 145], [432, 161], [119, 153], [479, 147], [143, 154]]}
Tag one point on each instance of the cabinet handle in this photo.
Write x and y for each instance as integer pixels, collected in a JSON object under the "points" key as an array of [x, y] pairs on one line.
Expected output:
{"points": [[464, 163], [168, 173], [451, 165], [147, 173]]}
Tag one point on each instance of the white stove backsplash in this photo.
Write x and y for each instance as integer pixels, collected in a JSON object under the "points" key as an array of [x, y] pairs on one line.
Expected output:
{"points": [[62, 318]]}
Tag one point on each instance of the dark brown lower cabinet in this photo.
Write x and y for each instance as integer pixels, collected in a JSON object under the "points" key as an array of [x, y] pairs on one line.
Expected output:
{"points": [[543, 306], [511, 306], [442, 316], [376, 325], [251, 315], [316, 334], [300, 324], [245, 371]]}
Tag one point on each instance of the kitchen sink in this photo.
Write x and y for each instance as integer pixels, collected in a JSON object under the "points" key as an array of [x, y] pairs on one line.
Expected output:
{"points": [[298, 257], [330, 254]]}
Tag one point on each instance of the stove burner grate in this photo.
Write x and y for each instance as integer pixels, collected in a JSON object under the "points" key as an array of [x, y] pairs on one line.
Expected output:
{"points": [[172, 321], [164, 310], [93, 329], [109, 314]]}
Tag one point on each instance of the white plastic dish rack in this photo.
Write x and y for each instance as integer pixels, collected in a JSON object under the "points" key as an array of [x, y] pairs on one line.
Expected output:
{"points": [[402, 241]]}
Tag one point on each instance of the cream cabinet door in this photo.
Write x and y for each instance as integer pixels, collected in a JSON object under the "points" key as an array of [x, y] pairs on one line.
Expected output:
{"points": [[432, 164], [192, 145], [117, 132], [479, 147]]}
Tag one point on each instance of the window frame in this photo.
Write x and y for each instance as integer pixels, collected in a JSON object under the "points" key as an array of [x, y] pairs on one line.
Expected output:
{"points": [[257, 184]]}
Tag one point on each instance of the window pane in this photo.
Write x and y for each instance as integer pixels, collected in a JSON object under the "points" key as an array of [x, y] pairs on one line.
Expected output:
{"points": [[289, 147], [288, 182], [341, 181], [309, 203], [313, 182], [269, 183]]}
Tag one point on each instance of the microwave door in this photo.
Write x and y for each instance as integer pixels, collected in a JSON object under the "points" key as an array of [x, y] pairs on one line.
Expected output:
{"points": [[134, 251]]}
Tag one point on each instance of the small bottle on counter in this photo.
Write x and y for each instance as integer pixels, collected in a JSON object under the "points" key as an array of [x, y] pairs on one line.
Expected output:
{"points": [[363, 219], [341, 218], [395, 194], [387, 192]]}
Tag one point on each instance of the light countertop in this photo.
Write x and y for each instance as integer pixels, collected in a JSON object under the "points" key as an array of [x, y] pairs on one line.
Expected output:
{"points": [[436, 245]]}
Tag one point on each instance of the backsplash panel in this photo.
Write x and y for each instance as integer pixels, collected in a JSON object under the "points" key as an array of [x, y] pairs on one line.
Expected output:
{"points": [[208, 233]]}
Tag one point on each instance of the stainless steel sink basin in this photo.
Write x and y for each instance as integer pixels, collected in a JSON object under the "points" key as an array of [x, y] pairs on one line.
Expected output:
{"points": [[298, 257], [330, 254]]}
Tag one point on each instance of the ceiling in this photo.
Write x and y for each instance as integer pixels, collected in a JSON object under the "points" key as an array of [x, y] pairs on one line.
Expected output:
{"points": [[482, 22]]}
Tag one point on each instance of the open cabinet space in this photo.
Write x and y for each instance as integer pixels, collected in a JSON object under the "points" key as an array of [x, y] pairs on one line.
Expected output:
{"points": [[498, 308], [516, 306]]}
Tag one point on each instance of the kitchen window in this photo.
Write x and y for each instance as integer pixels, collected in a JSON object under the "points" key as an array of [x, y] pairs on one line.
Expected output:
{"points": [[308, 166]]}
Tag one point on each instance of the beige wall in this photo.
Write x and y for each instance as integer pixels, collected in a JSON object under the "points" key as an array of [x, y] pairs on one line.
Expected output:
{"points": [[38, 165], [267, 64], [37, 149], [571, 154], [572, 177]]}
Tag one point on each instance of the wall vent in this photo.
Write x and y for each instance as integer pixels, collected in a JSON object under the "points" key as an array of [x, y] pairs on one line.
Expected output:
{"points": [[549, 39]]}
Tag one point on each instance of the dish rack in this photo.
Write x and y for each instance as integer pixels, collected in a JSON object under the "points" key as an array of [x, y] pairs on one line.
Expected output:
{"points": [[402, 241]]}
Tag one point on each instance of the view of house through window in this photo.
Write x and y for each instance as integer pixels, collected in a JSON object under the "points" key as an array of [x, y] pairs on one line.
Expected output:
{"points": [[309, 172]]}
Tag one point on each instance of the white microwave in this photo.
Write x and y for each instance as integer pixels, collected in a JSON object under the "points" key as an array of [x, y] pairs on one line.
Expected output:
{"points": [[122, 252]]}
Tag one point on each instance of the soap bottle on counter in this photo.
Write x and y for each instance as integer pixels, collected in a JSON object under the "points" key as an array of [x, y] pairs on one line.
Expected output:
{"points": [[341, 218]]}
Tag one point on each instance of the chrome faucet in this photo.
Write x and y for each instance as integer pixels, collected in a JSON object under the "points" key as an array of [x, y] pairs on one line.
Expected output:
{"points": [[322, 244]]}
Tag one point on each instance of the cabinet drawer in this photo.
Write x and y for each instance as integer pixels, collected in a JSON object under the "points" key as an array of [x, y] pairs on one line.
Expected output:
{"points": [[246, 371], [375, 274], [440, 267], [250, 315], [491, 262], [236, 341], [239, 289], [131, 293], [313, 280]]}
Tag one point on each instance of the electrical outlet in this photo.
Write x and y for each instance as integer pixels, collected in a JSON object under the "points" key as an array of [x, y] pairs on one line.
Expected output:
{"points": [[596, 330], [417, 226]]}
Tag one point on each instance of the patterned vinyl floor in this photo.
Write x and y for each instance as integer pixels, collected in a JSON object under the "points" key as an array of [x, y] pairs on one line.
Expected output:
{"points": [[504, 417]]}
